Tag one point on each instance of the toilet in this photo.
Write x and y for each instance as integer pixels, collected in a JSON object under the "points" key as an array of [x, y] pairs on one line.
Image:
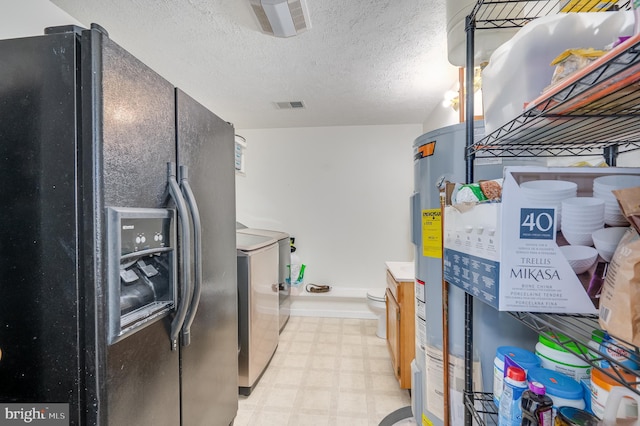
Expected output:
{"points": [[377, 305]]}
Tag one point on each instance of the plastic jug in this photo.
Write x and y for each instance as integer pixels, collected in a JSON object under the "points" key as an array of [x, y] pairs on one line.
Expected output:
{"points": [[515, 383], [537, 407], [611, 409]]}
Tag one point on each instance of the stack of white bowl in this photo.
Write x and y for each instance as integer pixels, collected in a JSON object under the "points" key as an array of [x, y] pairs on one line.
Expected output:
{"points": [[602, 188], [580, 258], [549, 193], [606, 240], [581, 217]]}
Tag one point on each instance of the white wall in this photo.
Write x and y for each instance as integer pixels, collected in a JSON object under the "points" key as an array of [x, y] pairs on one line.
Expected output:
{"points": [[24, 18], [441, 116], [343, 192]]}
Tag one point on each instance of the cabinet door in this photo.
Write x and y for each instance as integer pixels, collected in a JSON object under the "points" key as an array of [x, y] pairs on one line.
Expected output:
{"points": [[393, 331], [407, 338]]}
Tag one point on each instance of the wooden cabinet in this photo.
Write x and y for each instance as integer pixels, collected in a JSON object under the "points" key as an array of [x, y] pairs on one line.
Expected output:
{"points": [[393, 331], [400, 300]]}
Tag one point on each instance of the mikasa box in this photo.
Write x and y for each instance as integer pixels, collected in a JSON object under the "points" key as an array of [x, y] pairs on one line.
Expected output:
{"points": [[507, 253]]}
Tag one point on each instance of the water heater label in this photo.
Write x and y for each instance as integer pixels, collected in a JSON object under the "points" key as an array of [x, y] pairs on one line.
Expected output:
{"points": [[432, 233], [426, 150]]}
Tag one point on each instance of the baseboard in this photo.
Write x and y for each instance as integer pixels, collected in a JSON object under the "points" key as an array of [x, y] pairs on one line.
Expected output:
{"points": [[337, 303]]}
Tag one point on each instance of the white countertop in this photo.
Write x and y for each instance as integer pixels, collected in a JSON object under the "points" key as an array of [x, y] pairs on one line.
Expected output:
{"points": [[401, 271]]}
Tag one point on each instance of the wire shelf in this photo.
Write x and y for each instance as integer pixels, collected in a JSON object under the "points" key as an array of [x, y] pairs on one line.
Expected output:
{"points": [[593, 112], [497, 14], [482, 408], [597, 109], [566, 330]]}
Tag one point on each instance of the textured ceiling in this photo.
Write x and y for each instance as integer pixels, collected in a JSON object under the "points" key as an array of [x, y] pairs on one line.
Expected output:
{"points": [[362, 62]]}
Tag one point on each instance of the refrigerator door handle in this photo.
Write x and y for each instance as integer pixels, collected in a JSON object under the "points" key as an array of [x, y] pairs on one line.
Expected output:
{"points": [[185, 251], [197, 254]]}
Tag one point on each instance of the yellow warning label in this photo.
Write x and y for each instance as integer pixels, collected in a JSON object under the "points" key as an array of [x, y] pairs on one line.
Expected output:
{"points": [[586, 5], [432, 233], [426, 421]]}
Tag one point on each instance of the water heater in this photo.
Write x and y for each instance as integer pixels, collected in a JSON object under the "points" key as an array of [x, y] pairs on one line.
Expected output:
{"points": [[440, 155]]}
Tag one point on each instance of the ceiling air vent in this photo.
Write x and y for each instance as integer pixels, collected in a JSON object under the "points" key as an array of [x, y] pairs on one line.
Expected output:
{"points": [[281, 18], [290, 105]]}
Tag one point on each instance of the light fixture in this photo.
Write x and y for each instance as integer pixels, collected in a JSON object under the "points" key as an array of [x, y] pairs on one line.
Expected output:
{"points": [[282, 18], [452, 99]]}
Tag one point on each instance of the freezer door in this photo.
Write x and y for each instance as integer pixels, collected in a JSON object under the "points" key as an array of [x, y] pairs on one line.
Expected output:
{"points": [[210, 361], [39, 284], [128, 122]]}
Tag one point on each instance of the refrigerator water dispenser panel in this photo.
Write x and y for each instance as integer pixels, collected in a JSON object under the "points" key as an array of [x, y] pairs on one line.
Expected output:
{"points": [[141, 264]]}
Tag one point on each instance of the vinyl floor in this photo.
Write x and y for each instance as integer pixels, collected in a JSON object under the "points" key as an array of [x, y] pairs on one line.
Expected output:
{"points": [[326, 371]]}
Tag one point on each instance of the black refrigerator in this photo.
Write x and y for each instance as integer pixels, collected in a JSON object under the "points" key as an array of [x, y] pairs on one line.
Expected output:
{"points": [[118, 296]]}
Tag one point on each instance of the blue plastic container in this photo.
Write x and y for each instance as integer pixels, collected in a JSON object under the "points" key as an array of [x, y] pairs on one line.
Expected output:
{"points": [[562, 389], [524, 358]]}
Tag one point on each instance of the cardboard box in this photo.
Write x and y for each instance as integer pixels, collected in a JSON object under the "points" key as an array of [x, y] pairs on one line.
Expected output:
{"points": [[507, 254]]}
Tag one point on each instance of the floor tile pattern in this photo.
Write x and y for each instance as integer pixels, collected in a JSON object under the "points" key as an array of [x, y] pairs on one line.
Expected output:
{"points": [[326, 371]]}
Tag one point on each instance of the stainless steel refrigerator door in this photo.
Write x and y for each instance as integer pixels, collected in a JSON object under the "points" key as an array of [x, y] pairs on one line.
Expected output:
{"points": [[128, 138], [210, 363]]}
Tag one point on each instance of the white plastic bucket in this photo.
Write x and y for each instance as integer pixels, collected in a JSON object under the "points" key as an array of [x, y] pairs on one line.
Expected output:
{"points": [[556, 358]]}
